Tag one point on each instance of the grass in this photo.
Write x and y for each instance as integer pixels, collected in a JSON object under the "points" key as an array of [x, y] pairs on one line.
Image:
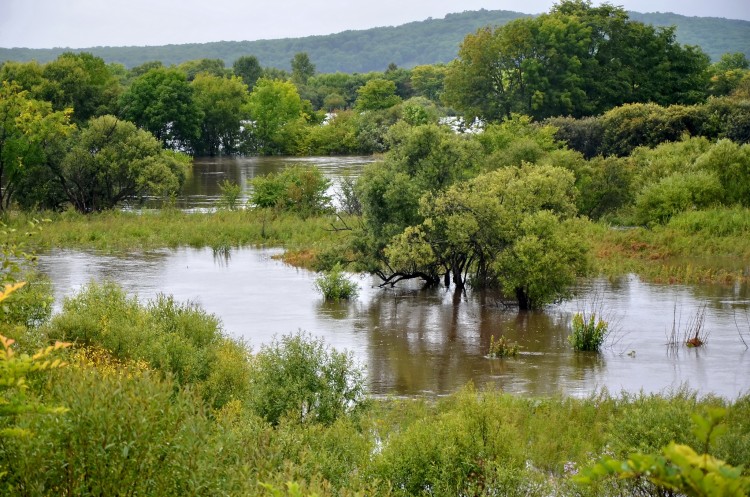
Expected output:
{"points": [[711, 246]]}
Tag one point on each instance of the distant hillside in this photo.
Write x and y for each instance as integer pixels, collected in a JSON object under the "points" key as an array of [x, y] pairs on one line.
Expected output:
{"points": [[424, 42]]}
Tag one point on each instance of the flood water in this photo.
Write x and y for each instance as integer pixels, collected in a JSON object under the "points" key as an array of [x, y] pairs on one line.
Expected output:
{"points": [[414, 341], [201, 190]]}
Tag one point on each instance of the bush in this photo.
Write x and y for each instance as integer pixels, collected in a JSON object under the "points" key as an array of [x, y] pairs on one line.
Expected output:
{"points": [[299, 377], [335, 286], [503, 347], [231, 193], [295, 189], [178, 339], [658, 202], [589, 332]]}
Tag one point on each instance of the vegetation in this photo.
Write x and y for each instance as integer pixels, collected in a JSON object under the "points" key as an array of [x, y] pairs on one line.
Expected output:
{"points": [[417, 43], [502, 347], [335, 286], [589, 332]]}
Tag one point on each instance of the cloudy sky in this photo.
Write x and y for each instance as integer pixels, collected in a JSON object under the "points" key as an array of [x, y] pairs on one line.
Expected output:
{"points": [[87, 23]]}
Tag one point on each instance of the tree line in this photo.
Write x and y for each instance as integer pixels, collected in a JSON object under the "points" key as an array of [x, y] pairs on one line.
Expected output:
{"points": [[430, 41]]}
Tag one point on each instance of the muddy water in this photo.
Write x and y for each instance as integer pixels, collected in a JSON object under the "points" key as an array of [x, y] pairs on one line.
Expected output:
{"points": [[416, 341], [201, 189]]}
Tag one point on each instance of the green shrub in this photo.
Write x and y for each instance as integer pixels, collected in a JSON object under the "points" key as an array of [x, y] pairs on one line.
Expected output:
{"points": [[335, 286], [231, 193], [589, 332], [298, 376], [122, 435], [503, 347], [295, 189], [680, 192], [174, 338]]}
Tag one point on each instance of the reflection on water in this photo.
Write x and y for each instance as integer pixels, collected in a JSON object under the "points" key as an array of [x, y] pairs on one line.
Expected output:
{"points": [[201, 190], [415, 340]]}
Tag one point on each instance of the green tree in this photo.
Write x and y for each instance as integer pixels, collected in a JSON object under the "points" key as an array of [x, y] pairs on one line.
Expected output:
{"points": [[512, 227], [82, 82], [377, 94], [276, 112], [111, 161], [193, 68], [576, 60], [223, 103], [427, 81], [302, 68], [421, 159], [161, 102], [30, 138], [248, 68]]}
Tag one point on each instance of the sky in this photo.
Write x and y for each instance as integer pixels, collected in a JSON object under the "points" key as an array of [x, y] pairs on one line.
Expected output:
{"points": [[90, 23]]}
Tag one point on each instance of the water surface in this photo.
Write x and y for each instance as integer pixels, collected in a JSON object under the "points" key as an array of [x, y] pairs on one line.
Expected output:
{"points": [[432, 341]]}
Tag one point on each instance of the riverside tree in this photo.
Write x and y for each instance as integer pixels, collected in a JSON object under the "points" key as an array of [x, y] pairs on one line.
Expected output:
{"points": [[512, 228], [576, 60], [223, 104], [161, 102], [112, 161]]}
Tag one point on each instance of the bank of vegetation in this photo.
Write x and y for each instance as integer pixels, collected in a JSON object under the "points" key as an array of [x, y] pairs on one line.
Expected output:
{"points": [[598, 145]]}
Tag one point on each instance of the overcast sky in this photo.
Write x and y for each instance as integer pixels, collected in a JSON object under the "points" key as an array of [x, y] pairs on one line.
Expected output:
{"points": [[88, 23]]}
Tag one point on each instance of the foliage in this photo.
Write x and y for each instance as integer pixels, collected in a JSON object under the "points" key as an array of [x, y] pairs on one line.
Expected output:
{"points": [[680, 468], [576, 60], [658, 202], [377, 94], [589, 332], [297, 189], [83, 82], [276, 111], [173, 338], [511, 227], [335, 286], [300, 378], [30, 137], [503, 347], [223, 104], [161, 101], [111, 161], [302, 68], [231, 193], [248, 68], [32, 304]]}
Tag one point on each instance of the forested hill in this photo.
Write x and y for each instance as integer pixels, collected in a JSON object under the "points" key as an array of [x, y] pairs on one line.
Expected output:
{"points": [[415, 43]]}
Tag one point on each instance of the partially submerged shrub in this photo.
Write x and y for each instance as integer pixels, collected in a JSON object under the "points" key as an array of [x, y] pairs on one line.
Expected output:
{"points": [[503, 347], [301, 190], [335, 286], [231, 193], [589, 331], [300, 377]]}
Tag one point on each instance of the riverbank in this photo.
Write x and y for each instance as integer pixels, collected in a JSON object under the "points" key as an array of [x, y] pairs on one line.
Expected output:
{"points": [[710, 246]]}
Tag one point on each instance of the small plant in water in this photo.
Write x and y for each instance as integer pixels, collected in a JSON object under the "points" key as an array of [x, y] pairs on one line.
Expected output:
{"points": [[335, 286], [231, 193], [589, 332], [503, 347], [693, 334]]}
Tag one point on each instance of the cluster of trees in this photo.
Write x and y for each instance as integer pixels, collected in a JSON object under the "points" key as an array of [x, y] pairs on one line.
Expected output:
{"points": [[431, 41]]}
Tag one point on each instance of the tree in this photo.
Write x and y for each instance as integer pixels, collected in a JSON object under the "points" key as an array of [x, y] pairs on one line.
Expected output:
{"points": [[576, 60], [422, 159], [223, 103], [427, 81], [111, 161], [30, 135], [377, 94], [276, 111], [192, 68], [82, 82], [161, 102], [509, 228], [248, 68], [302, 68]]}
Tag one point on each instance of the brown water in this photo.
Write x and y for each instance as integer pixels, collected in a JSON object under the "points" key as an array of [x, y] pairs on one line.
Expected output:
{"points": [[416, 341], [201, 189]]}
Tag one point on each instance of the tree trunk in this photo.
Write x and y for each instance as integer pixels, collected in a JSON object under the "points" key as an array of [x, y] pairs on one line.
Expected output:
{"points": [[524, 302]]}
